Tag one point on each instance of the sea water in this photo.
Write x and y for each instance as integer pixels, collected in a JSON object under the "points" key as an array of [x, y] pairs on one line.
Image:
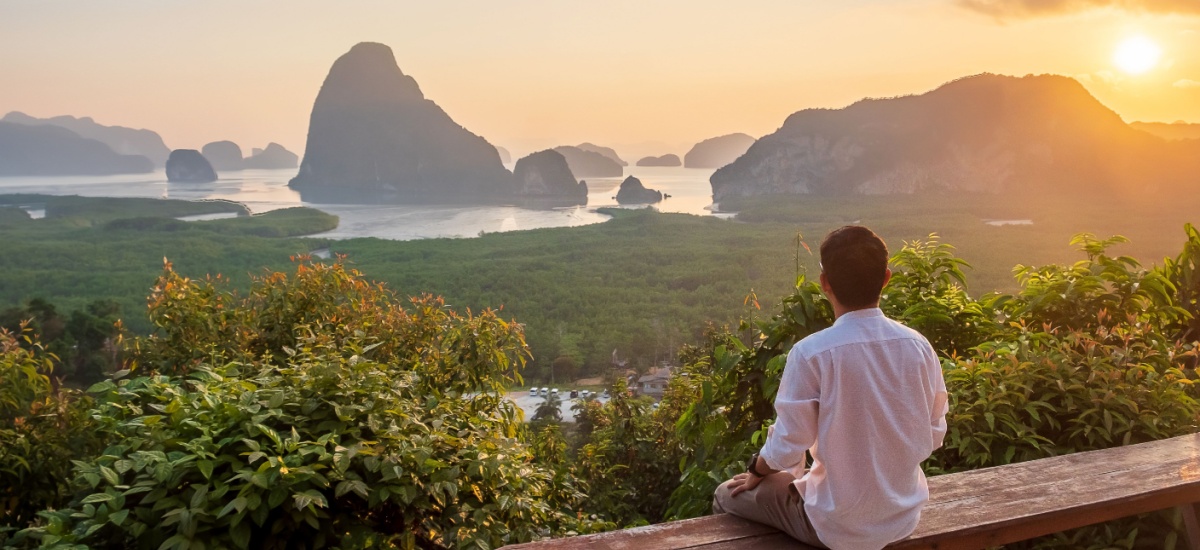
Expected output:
{"points": [[266, 190]]}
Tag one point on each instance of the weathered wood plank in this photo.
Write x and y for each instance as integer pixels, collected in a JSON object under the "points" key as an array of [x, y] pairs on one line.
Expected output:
{"points": [[688, 533], [1020, 501], [979, 508]]}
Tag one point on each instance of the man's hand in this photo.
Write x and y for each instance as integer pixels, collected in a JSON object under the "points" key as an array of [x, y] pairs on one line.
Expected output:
{"points": [[743, 482]]}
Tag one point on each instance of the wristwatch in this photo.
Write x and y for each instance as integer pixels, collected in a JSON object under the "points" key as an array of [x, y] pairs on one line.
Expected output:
{"points": [[752, 466]]}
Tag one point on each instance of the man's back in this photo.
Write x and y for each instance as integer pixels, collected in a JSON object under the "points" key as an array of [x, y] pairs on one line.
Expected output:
{"points": [[867, 394]]}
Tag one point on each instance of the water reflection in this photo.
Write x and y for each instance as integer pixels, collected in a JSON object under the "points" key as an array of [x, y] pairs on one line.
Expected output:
{"points": [[266, 190]]}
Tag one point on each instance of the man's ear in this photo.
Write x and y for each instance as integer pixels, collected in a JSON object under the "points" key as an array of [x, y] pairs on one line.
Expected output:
{"points": [[828, 290], [887, 276]]}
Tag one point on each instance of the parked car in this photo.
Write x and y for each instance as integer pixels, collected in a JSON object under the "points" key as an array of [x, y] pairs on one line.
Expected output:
{"points": [[533, 392], [554, 391], [543, 392], [574, 394]]}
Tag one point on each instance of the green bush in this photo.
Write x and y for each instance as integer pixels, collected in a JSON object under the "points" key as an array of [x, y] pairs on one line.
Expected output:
{"points": [[313, 412], [42, 428]]}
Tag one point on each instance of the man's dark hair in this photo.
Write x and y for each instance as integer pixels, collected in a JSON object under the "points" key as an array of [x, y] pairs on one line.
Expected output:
{"points": [[854, 260]]}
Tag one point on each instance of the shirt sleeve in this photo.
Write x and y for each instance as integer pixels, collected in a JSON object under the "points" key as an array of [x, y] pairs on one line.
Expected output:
{"points": [[797, 404], [941, 402]]}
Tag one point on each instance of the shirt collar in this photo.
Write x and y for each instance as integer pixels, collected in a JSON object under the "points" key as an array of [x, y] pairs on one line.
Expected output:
{"points": [[860, 314]]}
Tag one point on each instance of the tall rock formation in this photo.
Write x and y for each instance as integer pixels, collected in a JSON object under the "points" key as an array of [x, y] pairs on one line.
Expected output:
{"points": [[223, 155], [545, 175], [590, 164], [48, 150], [986, 133], [717, 152], [189, 166], [633, 192], [274, 157], [123, 141], [374, 136], [606, 151], [665, 160]]}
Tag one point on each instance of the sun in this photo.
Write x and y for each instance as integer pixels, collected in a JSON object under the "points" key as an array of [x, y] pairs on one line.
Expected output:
{"points": [[1136, 55]]}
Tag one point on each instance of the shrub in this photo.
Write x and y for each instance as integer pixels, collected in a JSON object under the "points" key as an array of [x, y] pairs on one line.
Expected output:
{"points": [[41, 429], [314, 412]]}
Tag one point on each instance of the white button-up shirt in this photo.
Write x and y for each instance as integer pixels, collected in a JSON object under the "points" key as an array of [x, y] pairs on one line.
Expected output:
{"points": [[866, 397]]}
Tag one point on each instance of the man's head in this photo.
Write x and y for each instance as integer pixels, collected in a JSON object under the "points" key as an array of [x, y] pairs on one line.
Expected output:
{"points": [[854, 266]]}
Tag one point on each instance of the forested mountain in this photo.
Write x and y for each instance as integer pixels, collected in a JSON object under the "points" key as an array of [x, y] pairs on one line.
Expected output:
{"points": [[985, 133]]}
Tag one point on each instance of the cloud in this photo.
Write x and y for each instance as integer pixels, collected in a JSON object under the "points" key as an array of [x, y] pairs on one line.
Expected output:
{"points": [[1005, 9], [1186, 84]]}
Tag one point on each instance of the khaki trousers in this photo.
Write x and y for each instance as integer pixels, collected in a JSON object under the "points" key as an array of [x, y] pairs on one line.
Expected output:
{"points": [[775, 502]]}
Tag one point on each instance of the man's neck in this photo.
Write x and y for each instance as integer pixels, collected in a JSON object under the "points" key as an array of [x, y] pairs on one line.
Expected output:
{"points": [[839, 310]]}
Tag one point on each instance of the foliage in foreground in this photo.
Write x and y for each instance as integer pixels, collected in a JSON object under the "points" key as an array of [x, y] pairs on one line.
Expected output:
{"points": [[315, 411], [318, 410], [41, 429]]}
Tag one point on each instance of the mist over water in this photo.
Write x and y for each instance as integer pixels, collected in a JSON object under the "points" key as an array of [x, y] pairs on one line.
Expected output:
{"points": [[266, 190]]}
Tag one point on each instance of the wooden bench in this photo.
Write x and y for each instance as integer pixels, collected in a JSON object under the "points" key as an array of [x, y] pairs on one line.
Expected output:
{"points": [[979, 508]]}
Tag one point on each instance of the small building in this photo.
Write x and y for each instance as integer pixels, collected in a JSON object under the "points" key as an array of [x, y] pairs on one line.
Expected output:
{"points": [[654, 382]]}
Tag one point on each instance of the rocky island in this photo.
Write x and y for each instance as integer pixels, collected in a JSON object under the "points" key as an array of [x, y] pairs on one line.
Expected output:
{"points": [[274, 157], [373, 136], [545, 175], [665, 160], [223, 155], [590, 164], [633, 192], [717, 152], [981, 134], [608, 152], [189, 166]]}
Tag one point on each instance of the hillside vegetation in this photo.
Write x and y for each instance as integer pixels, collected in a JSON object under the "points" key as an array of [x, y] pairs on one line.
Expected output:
{"points": [[318, 409]]}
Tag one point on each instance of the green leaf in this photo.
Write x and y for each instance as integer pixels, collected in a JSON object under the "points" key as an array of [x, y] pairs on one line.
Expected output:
{"points": [[98, 497], [205, 467], [118, 518], [110, 476]]}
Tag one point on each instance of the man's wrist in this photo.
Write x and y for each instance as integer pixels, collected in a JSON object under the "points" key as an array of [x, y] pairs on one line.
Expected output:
{"points": [[752, 466]]}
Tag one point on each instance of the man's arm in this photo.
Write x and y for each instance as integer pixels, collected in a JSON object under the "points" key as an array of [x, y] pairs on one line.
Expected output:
{"points": [[797, 405]]}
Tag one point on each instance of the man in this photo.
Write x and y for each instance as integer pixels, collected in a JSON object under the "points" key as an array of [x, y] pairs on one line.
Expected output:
{"points": [[866, 398]]}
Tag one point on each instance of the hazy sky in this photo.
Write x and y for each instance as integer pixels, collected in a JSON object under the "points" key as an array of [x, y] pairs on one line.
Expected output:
{"points": [[643, 77]]}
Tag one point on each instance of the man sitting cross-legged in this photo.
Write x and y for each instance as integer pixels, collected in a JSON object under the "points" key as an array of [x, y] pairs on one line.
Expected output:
{"points": [[866, 398]]}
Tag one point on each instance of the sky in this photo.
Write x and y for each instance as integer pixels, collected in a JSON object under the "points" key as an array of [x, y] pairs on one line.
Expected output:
{"points": [[647, 78]]}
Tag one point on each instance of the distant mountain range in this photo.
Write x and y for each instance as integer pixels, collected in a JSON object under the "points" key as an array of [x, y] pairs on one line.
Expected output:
{"points": [[1169, 130], [123, 141], [986, 133], [48, 150]]}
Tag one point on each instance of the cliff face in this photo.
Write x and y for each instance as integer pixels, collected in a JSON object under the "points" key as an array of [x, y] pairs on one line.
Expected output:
{"points": [[590, 164], [189, 166], [275, 156], [374, 136], [545, 174], [48, 150], [633, 192], [123, 141], [717, 152], [985, 133]]}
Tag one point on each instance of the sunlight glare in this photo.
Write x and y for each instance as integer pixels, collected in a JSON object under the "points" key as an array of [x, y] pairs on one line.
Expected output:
{"points": [[1137, 55]]}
